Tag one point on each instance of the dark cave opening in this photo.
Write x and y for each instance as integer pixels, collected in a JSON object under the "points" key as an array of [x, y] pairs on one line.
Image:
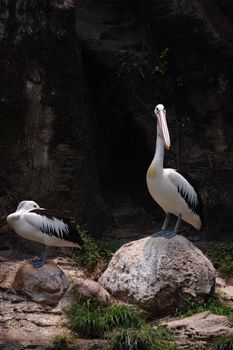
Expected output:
{"points": [[121, 147], [122, 151]]}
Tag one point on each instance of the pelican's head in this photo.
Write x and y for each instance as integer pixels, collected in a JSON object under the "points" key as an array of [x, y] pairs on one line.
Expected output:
{"points": [[162, 128], [27, 205]]}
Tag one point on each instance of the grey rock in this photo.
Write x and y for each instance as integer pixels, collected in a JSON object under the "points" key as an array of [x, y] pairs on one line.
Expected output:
{"points": [[225, 291], [204, 325], [90, 288], [26, 324], [83, 287], [160, 275], [45, 285]]}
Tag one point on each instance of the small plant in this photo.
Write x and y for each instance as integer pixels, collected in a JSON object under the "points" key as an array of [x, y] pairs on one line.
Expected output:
{"points": [[60, 342], [162, 63], [93, 250], [143, 338], [214, 305], [223, 342], [106, 249], [144, 66], [87, 256], [137, 66], [179, 82], [222, 257], [93, 318]]}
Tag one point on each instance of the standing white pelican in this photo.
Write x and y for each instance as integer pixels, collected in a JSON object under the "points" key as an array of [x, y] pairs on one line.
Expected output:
{"points": [[43, 226], [170, 190]]}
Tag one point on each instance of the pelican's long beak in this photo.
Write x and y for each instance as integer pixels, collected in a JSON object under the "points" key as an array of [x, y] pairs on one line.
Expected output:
{"points": [[164, 129]]}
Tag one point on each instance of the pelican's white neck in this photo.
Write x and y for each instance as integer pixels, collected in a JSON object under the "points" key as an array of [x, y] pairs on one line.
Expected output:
{"points": [[159, 152]]}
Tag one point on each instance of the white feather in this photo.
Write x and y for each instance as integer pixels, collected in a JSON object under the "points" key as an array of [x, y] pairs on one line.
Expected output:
{"points": [[46, 225], [184, 186], [163, 187], [37, 227]]}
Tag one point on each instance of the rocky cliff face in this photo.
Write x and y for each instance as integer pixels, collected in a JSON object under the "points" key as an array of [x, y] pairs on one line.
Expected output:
{"points": [[47, 135], [79, 82]]}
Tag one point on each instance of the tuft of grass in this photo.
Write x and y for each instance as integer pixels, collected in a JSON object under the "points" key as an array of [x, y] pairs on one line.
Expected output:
{"points": [[93, 318], [94, 250], [221, 256], [143, 338], [60, 342], [122, 325], [223, 342], [214, 305]]}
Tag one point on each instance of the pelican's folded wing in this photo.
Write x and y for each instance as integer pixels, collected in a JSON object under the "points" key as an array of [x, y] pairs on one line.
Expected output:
{"points": [[47, 224], [185, 189]]}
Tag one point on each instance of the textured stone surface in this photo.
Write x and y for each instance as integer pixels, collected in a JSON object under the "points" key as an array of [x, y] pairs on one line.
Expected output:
{"points": [[44, 117], [160, 274], [201, 326], [45, 285], [90, 288], [224, 290], [26, 324], [83, 287]]}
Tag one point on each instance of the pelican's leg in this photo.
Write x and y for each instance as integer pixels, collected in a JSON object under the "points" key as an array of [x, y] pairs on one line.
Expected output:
{"points": [[163, 231], [178, 222], [170, 234], [166, 221], [39, 263]]}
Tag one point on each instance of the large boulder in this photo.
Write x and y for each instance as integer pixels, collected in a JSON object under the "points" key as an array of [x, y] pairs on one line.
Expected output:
{"points": [[160, 275], [45, 285]]}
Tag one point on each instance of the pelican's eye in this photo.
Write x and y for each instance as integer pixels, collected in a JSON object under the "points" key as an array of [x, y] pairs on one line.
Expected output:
{"points": [[34, 206]]}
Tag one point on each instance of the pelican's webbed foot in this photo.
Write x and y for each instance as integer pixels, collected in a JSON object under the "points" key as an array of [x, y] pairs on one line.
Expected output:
{"points": [[164, 233], [40, 262], [37, 263]]}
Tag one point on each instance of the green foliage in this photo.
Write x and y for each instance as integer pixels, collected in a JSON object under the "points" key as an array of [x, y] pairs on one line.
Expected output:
{"points": [[214, 305], [179, 82], [122, 325], [222, 257], [143, 338], [87, 256], [93, 250], [137, 66], [60, 342], [143, 66], [162, 63], [93, 318], [106, 249], [224, 342]]}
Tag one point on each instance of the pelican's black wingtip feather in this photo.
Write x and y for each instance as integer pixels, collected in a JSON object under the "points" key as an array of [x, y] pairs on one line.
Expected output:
{"points": [[199, 207], [73, 231]]}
